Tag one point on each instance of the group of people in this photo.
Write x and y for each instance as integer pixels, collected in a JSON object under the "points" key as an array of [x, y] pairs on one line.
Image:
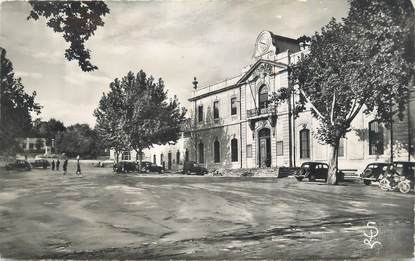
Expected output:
{"points": [[65, 166], [58, 163]]}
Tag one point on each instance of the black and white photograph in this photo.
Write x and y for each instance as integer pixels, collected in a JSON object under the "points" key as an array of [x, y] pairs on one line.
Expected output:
{"points": [[207, 130]]}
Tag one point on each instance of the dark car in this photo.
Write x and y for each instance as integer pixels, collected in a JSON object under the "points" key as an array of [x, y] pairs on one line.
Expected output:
{"points": [[40, 163], [403, 168], [315, 170], [125, 167], [19, 165], [147, 166], [191, 167], [373, 171]]}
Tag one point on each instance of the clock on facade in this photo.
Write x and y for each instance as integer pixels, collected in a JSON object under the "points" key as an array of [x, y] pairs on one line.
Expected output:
{"points": [[263, 43]]}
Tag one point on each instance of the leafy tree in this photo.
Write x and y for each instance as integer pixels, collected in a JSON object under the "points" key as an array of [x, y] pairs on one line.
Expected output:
{"points": [[109, 124], [48, 129], [15, 107], [364, 64], [145, 115], [78, 139], [77, 20]]}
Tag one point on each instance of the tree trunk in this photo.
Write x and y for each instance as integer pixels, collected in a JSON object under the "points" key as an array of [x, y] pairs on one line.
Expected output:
{"points": [[333, 167], [140, 160], [116, 156]]}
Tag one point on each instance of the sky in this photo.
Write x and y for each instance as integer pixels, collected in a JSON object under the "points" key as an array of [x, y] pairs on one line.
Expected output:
{"points": [[174, 40]]}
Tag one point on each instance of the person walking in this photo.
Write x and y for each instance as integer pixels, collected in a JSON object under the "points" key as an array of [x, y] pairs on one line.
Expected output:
{"points": [[57, 164], [78, 166], [65, 166], [53, 165]]}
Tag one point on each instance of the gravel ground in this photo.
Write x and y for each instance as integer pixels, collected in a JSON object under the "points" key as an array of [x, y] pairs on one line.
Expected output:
{"points": [[100, 215]]}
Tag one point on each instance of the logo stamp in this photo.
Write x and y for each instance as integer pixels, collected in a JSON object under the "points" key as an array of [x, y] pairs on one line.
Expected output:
{"points": [[371, 236]]}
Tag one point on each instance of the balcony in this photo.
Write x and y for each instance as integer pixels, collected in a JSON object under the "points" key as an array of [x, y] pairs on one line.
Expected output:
{"points": [[265, 112]]}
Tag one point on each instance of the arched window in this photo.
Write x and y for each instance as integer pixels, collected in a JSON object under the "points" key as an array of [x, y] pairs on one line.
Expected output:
{"points": [[178, 157], [201, 153], [376, 141], [216, 151], [186, 155], [154, 159], [263, 97], [234, 150], [161, 159], [304, 144]]}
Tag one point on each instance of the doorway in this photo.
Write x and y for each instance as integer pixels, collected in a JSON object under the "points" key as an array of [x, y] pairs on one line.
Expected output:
{"points": [[264, 145], [169, 161]]}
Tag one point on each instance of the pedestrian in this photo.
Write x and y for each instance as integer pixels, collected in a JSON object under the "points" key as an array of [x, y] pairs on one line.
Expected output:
{"points": [[53, 165], [65, 166], [57, 164], [78, 166]]}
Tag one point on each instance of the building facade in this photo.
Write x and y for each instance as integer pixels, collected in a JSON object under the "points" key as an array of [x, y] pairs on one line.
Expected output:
{"points": [[233, 125]]}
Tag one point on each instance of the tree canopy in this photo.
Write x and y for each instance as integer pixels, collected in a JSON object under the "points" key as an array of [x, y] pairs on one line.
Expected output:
{"points": [[78, 139], [365, 62], [76, 20], [16, 107], [136, 113], [47, 129]]}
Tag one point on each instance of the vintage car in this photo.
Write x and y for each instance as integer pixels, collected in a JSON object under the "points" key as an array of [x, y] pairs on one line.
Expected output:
{"points": [[191, 167], [125, 167], [147, 166], [40, 163], [315, 170], [402, 168], [373, 171], [19, 165]]}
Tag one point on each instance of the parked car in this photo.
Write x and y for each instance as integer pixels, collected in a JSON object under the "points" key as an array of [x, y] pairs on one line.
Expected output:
{"points": [[19, 165], [373, 171], [315, 170], [147, 166], [125, 167], [40, 163], [403, 168], [190, 167]]}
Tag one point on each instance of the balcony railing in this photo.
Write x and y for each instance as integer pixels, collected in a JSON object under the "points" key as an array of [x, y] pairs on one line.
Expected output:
{"points": [[260, 111]]}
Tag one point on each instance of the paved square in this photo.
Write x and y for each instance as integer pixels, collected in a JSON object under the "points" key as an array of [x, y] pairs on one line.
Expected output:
{"points": [[44, 214]]}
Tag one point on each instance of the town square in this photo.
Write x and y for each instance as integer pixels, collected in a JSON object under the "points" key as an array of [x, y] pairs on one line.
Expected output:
{"points": [[207, 130]]}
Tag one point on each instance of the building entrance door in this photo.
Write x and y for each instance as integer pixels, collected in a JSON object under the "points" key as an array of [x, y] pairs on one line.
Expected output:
{"points": [[264, 145], [169, 161]]}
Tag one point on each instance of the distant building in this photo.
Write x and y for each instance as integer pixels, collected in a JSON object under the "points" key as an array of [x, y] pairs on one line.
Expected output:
{"points": [[233, 125], [34, 145]]}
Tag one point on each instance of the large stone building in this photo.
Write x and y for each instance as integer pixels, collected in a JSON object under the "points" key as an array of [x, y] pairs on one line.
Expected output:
{"points": [[232, 125]]}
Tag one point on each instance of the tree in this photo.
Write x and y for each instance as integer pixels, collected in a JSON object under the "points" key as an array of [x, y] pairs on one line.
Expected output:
{"points": [[48, 129], [363, 63], [15, 107], [77, 20], [145, 115], [78, 139], [109, 125]]}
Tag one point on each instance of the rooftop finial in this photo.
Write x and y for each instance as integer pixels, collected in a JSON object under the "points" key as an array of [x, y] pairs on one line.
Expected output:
{"points": [[195, 82]]}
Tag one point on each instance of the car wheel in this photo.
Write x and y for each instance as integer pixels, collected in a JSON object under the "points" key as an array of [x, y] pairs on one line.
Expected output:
{"points": [[404, 187], [147, 170], [367, 182], [312, 177], [162, 171], [384, 184], [188, 172]]}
